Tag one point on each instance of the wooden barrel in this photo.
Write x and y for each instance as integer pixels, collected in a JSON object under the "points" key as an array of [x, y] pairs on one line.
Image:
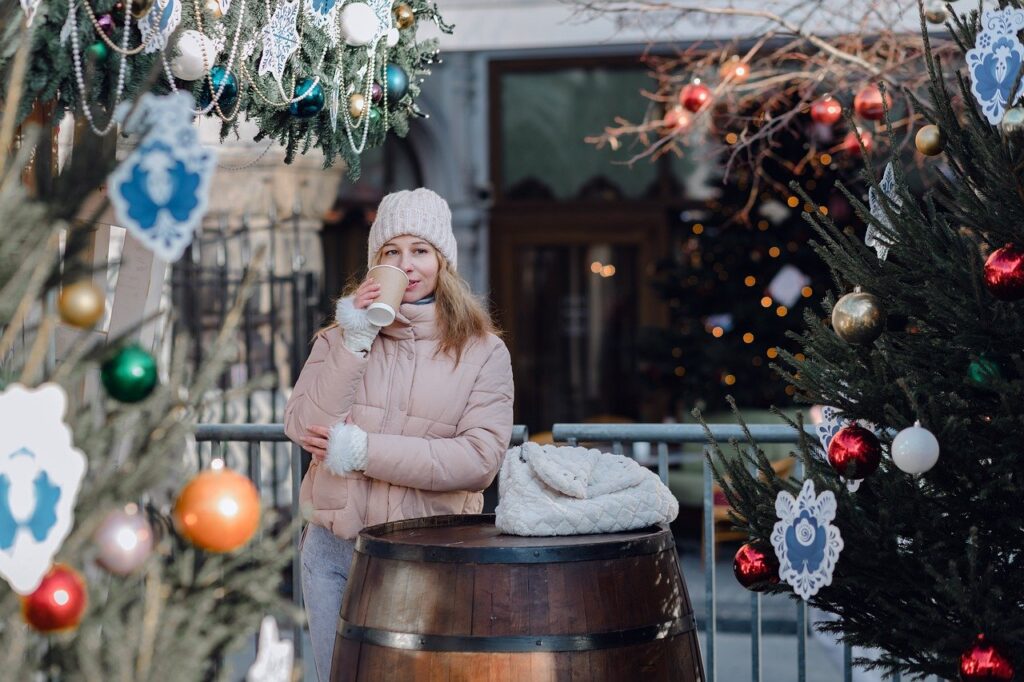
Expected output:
{"points": [[451, 598]]}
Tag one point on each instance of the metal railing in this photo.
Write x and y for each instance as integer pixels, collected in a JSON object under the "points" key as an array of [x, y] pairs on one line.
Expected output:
{"points": [[252, 437], [664, 435]]}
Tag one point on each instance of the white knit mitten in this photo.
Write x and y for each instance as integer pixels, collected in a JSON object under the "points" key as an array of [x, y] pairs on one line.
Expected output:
{"points": [[358, 332], [346, 449]]}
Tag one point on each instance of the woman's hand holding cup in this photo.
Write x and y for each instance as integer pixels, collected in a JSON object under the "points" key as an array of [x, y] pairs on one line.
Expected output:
{"points": [[367, 293]]}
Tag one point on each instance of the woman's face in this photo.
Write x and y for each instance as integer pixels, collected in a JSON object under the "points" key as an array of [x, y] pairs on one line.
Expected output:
{"points": [[418, 259]]}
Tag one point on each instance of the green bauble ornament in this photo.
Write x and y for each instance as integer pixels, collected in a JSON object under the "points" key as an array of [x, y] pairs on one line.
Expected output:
{"points": [[228, 95], [98, 51], [397, 83], [130, 375], [312, 102], [375, 116], [984, 371]]}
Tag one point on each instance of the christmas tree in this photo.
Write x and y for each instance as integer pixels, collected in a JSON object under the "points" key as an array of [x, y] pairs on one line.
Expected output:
{"points": [[920, 463], [123, 561], [739, 277]]}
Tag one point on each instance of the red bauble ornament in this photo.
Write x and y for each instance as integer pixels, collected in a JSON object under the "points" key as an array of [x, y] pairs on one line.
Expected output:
{"points": [[58, 602], [868, 103], [852, 147], [1004, 273], [984, 662], [854, 452], [695, 96], [756, 564], [826, 111]]}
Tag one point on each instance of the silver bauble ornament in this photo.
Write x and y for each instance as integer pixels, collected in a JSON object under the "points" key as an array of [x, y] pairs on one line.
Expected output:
{"points": [[1013, 121], [858, 317], [124, 540], [935, 13], [915, 450]]}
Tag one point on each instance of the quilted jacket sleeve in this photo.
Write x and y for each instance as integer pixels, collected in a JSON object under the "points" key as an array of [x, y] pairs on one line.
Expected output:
{"points": [[469, 460], [326, 387]]}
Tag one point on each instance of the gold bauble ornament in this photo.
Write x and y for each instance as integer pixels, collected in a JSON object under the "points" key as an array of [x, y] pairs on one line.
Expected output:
{"points": [[404, 17], [140, 8], [935, 13], [356, 105], [858, 317], [81, 304], [1013, 121], [213, 9], [929, 140]]}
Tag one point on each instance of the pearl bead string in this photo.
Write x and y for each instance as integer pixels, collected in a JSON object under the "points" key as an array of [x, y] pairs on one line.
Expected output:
{"points": [[346, 115], [207, 65], [103, 35], [76, 53]]}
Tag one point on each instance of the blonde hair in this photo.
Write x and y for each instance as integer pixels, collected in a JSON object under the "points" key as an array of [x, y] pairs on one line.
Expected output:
{"points": [[461, 316]]}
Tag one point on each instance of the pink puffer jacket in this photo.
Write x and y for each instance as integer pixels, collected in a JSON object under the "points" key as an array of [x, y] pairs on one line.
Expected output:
{"points": [[437, 430]]}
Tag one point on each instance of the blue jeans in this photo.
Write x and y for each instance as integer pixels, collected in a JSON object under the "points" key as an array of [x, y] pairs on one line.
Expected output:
{"points": [[326, 560]]}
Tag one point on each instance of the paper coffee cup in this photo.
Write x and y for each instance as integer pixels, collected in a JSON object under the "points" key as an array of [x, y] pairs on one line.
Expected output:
{"points": [[393, 282]]}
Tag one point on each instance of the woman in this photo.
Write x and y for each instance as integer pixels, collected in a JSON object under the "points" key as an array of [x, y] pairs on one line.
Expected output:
{"points": [[406, 421]]}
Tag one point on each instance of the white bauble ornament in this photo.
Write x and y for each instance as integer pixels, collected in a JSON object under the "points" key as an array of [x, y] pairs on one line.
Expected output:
{"points": [[393, 35], [915, 450], [195, 55], [359, 24]]}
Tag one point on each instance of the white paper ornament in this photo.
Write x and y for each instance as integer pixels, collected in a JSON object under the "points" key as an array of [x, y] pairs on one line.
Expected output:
{"points": [[805, 541], [194, 56], [162, 188], [874, 237], [359, 24], [30, 7], [40, 473], [280, 39], [915, 450], [159, 23], [994, 61], [274, 658]]}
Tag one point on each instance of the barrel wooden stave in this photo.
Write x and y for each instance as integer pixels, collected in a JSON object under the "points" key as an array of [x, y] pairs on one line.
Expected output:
{"points": [[495, 600]]}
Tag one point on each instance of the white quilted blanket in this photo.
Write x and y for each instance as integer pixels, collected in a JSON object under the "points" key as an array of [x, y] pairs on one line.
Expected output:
{"points": [[552, 490]]}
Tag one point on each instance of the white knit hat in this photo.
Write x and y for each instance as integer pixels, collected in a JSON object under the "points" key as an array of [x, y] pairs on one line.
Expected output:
{"points": [[419, 212]]}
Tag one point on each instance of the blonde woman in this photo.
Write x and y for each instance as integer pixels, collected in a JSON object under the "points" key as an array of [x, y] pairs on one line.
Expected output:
{"points": [[406, 421]]}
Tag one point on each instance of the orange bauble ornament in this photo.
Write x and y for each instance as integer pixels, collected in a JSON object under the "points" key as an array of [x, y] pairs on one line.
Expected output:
{"points": [[868, 103], [735, 70], [59, 601], [218, 510]]}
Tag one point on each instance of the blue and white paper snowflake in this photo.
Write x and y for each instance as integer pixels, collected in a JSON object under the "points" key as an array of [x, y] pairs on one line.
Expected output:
{"points": [[995, 60], [40, 473], [161, 191], [158, 25], [805, 541], [280, 40], [874, 237]]}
